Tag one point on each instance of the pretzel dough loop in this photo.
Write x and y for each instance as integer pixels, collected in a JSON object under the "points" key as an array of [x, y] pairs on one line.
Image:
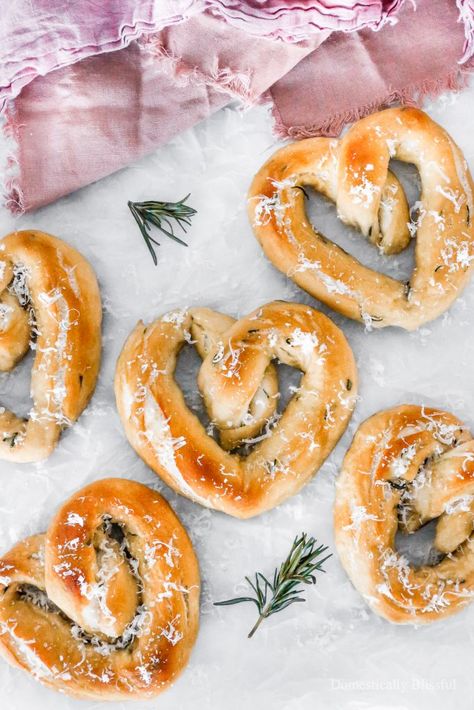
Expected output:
{"points": [[239, 386], [105, 604], [405, 467], [353, 173], [49, 299]]}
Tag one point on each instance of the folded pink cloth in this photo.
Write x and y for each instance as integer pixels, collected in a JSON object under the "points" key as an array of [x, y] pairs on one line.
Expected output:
{"points": [[466, 16], [296, 20], [85, 120], [39, 36], [354, 74]]}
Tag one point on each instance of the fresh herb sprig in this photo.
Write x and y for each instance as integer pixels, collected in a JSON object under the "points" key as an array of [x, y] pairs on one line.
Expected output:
{"points": [[161, 214], [298, 568]]}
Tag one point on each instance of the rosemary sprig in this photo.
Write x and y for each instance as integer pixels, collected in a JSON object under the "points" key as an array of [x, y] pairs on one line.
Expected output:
{"points": [[161, 215], [298, 568]]}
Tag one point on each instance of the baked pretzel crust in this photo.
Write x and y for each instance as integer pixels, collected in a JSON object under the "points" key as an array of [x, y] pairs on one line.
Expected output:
{"points": [[406, 466], [239, 388], [49, 299], [97, 615], [353, 173]]}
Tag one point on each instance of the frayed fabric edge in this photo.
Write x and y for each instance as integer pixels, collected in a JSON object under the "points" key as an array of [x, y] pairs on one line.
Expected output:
{"points": [[13, 198], [233, 83], [410, 96], [237, 84]]}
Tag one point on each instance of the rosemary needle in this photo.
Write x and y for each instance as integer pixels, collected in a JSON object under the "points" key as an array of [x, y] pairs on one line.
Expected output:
{"points": [[161, 215], [298, 568]]}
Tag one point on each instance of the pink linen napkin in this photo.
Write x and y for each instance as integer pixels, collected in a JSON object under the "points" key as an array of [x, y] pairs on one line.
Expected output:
{"points": [[85, 120], [354, 74], [39, 36], [297, 20], [466, 16]]}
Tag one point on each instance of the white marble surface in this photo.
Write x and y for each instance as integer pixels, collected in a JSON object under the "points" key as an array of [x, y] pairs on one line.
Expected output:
{"points": [[331, 652]]}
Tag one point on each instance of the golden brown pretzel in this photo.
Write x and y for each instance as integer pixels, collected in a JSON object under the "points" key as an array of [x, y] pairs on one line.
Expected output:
{"points": [[105, 605], [237, 371], [353, 173], [49, 298], [405, 467]]}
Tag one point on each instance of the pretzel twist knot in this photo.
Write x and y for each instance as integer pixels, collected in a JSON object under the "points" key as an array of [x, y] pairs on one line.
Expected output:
{"points": [[353, 173], [106, 603], [49, 300], [405, 467], [239, 384]]}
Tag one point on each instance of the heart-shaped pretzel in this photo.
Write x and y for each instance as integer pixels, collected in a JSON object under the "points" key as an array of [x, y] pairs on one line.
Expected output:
{"points": [[49, 300], [239, 386], [353, 173], [405, 467], [105, 605]]}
